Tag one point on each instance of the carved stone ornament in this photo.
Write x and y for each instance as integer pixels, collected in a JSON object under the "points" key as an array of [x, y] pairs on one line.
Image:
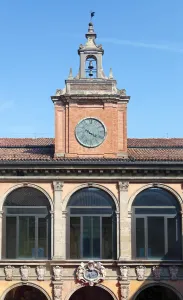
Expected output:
{"points": [[58, 185], [90, 273], [157, 271], [57, 292], [57, 273], [140, 270], [173, 272], [24, 272], [124, 270], [40, 270], [8, 270], [124, 291], [123, 186]]}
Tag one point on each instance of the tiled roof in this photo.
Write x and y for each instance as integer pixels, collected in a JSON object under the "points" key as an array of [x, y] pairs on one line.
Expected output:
{"points": [[42, 149]]}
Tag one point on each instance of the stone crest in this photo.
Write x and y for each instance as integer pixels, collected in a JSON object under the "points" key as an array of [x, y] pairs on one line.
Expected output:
{"points": [[90, 273], [40, 270], [57, 292], [8, 270], [140, 271], [124, 270], [57, 273], [24, 272], [157, 271], [123, 186], [173, 272], [124, 292]]}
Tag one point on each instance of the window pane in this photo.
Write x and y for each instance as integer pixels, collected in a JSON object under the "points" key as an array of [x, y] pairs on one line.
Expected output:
{"points": [[27, 237], [107, 238], [75, 232], [173, 242], [91, 211], [11, 237], [87, 237], [96, 237], [156, 237], [140, 237], [155, 211], [42, 237]]}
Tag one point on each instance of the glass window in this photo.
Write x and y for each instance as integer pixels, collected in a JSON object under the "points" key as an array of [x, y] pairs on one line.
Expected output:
{"points": [[92, 225], [27, 224], [157, 225]]}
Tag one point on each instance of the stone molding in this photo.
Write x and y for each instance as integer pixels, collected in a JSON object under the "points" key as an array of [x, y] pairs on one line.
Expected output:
{"points": [[57, 291]]}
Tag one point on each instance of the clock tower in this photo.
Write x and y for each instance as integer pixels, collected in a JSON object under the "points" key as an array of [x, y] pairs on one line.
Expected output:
{"points": [[90, 112]]}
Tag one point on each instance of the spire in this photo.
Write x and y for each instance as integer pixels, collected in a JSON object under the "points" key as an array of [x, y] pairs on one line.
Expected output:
{"points": [[110, 74], [70, 74]]}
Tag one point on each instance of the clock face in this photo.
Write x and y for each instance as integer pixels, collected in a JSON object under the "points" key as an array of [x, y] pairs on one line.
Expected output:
{"points": [[90, 132]]}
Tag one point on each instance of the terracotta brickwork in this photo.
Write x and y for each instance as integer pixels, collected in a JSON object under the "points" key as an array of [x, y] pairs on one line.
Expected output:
{"points": [[112, 115]]}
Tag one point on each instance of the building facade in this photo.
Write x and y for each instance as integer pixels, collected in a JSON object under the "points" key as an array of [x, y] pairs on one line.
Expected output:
{"points": [[91, 213]]}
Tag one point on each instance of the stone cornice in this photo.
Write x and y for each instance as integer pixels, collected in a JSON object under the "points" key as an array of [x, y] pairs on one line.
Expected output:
{"points": [[92, 172]]}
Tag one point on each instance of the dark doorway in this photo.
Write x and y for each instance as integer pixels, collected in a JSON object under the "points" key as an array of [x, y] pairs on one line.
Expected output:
{"points": [[157, 292], [25, 293], [90, 293]]}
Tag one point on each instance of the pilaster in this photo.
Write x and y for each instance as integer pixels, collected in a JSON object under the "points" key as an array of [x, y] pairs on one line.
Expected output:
{"points": [[58, 252], [1, 237], [125, 222]]}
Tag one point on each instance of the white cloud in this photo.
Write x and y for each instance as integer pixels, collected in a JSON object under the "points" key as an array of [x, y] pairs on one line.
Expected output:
{"points": [[165, 47]]}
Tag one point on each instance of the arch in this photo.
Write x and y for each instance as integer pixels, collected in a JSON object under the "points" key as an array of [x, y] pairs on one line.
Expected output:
{"points": [[85, 185], [19, 284], [68, 296], [158, 185], [165, 285], [20, 185]]}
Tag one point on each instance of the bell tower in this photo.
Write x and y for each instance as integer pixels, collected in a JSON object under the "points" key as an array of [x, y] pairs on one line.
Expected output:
{"points": [[90, 112]]}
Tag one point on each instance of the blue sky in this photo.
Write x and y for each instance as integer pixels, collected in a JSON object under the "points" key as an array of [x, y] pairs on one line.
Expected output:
{"points": [[143, 43]]}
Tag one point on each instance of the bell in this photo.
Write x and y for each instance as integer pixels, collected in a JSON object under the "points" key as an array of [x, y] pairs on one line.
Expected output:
{"points": [[90, 65], [90, 73]]}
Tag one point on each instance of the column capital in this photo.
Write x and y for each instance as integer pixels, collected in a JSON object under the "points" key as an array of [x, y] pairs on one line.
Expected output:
{"points": [[58, 185], [123, 186]]}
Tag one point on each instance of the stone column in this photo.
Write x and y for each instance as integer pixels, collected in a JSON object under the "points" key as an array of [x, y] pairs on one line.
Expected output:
{"points": [[125, 223], [58, 229], [1, 233], [65, 234]]}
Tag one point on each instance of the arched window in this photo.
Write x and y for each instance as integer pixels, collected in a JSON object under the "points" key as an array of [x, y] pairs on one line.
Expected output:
{"points": [[91, 67], [156, 224], [27, 224], [92, 224]]}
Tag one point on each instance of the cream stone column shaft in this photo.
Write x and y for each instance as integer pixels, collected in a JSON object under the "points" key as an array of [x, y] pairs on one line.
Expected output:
{"points": [[1, 233], [58, 229], [125, 223]]}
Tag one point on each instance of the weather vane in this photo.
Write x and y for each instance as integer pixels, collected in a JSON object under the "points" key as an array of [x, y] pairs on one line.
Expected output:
{"points": [[92, 13]]}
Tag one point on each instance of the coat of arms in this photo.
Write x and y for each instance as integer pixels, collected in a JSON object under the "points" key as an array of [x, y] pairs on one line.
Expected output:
{"points": [[90, 273]]}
